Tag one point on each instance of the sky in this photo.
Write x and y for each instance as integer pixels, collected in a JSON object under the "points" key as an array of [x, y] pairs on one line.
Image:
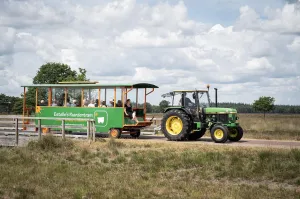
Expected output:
{"points": [[245, 48]]}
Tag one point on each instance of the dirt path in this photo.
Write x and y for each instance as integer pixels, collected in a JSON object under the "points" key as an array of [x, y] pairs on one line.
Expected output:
{"points": [[10, 140], [243, 142]]}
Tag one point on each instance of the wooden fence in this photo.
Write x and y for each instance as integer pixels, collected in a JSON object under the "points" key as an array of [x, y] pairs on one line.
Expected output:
{"points": [[91, 131]]}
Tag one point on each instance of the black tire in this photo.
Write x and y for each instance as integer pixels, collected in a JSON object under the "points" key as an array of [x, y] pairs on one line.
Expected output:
{"points": [[196, 134], [182, 121], [115, 133], [135, 134], [235, 134], [219, 134]]}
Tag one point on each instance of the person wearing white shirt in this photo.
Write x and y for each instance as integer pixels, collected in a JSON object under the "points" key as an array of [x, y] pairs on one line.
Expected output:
{"points": [[92, 104]]}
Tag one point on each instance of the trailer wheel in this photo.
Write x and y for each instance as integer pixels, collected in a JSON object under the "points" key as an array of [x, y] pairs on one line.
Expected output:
{"points": [[175, 125], [235, 134], [45, 130], [196, 134], [219, 134], [135, 134], [115, 133]]}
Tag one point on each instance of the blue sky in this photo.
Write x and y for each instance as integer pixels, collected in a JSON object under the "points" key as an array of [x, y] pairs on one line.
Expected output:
{"points": [[224, 12]]}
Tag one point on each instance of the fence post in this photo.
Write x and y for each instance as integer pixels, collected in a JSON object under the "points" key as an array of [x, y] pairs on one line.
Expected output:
{"points": [[17, 131], [39, 129], [63, 129], [88, 129], [94, 131]]}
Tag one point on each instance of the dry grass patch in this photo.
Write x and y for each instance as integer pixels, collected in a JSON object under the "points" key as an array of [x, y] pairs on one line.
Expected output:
{"points": [[141, 169], [274, 126]]}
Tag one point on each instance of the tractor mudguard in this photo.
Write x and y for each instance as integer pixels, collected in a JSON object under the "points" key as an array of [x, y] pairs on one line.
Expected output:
{"points": [[214, 124], [178, 108]]}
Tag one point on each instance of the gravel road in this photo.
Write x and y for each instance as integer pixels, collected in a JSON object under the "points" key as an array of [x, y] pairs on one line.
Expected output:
{"points": [[8, 139]]}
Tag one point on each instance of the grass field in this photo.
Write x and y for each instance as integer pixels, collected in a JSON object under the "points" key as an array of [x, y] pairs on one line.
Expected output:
{"points": [[274, 126], [142, 169]]}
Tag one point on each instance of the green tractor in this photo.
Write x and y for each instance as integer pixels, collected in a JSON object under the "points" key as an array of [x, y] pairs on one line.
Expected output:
{"points": [[193, 116]]}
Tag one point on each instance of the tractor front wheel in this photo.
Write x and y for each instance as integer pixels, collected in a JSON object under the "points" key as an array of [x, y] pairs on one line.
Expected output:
{"points": [[235, 134], [219, 134], [176, 125], [197, 134], [115, 133]]}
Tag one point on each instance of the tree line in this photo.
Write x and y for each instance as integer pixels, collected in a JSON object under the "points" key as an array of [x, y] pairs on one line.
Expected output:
{"points": [[248, 108]]}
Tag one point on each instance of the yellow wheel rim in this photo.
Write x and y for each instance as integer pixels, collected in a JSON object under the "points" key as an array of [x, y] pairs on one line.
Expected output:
{"points": [[114, 133], [174, 125], [218, 133], [233, 133]]}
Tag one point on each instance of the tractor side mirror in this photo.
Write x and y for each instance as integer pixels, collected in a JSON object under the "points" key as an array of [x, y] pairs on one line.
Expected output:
{"points": [[194, 95]]}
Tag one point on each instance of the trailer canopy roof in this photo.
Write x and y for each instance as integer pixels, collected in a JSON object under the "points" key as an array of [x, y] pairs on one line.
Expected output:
{"points": [[91, 85]]}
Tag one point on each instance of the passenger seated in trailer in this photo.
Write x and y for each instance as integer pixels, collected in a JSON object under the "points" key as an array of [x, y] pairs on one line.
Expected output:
{"points": [[103, 104], [91, 104], [129, 111], [85, 103], [111, 103], [96, 103], [59, 102], [68, 103], [119, 103], [74, 103], [42, 103], [54, 103]]}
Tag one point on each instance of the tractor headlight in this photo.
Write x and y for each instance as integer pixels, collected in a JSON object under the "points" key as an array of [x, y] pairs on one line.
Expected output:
{"points": [[232, 118]]}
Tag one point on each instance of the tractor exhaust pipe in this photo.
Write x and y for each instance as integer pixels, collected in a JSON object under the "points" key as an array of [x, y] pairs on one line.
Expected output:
{"points": [[216, 92]]}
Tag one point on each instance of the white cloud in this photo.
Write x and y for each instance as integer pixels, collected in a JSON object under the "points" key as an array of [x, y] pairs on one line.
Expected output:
{"points": [[259, 65], [140, 37], [285, 20], [68, 56], [295, 45], [128, 40], [7, 41]]}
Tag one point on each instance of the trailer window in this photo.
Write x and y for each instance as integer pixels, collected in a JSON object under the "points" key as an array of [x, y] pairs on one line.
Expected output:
{"points": [[90, 97], [58, 96], [74, 97], [42, 96]]}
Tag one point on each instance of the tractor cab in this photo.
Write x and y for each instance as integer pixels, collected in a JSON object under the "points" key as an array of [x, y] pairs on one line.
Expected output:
{"points": [[192, 101]]}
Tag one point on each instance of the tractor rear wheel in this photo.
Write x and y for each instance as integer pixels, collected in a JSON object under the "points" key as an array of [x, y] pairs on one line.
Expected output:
{"points": [[115, 133], [219, 133], [235, 134], [135, 134], [176, 125], [197, 134]]}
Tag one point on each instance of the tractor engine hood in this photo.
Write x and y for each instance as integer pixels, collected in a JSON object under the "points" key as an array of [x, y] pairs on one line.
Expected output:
{"points": [[218, 110]]}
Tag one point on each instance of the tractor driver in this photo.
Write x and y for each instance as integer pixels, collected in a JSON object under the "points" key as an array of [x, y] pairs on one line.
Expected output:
{"points": [[187, 101]]}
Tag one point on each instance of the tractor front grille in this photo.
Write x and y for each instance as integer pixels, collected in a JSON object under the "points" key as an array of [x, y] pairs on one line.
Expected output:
{"points": [[222, 118]]}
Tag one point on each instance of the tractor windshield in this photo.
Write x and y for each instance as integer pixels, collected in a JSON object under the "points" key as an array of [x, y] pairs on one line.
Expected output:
{"points": [[204, 99], [183, 99]]}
